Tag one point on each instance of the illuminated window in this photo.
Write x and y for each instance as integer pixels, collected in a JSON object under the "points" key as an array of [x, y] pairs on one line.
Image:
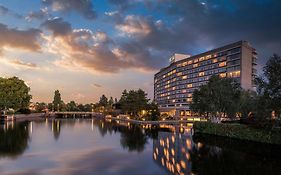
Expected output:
{"points": [[189, 95], [189, 85], [222, 75], [195, 61], [189, 99], [201, 59], [189, 62], [201, 74], [208, 56], [222, 64], [215, 60], [179, 73], [184, 77], [195, 65], [234, 74]]}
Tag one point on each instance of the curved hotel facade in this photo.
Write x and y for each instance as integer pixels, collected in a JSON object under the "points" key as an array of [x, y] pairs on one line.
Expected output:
{"points": [[174, 84]]}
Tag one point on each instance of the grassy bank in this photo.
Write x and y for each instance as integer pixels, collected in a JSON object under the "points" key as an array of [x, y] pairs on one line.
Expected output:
{"points": [[239, 131]]}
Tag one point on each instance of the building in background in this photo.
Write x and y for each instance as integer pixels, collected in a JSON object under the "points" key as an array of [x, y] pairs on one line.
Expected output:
{"points": [[174, 84]]}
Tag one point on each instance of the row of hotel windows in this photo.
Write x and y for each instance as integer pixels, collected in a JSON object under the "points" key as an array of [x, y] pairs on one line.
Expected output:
{"points": [[201, 59], [189, 71], [199, 77], [175, 89], [204, 60]]}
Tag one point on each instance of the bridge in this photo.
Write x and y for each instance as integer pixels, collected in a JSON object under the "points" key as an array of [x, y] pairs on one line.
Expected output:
{"points": [[73, 114]]}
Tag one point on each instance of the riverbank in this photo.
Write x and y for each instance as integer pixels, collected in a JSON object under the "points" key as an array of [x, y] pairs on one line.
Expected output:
{"points": [[25, 117], [167, 122], [239, 131]]}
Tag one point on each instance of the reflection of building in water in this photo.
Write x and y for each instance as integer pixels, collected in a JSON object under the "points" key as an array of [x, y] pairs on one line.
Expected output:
{"points": [[171, 151]]}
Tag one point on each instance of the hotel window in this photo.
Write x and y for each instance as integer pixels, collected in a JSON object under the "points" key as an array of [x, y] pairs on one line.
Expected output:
{"points": [[222, 64], [201, 74], [222, 75], [189, 95], [179, 74], [215, 60], [189, 62], [208, 56], [201, 59], [233, 74], [189, 85], [184, 77], [189, 99], [195, 65], [196, 60]]}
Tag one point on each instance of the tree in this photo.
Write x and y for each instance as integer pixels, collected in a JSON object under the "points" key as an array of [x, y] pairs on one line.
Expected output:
{"points": [[14, 93], [219, 97], [110, 102], [247, 103], [133, 102], [57, 102], [269, 86], [103, 101], [71, 106], [40, 107]]}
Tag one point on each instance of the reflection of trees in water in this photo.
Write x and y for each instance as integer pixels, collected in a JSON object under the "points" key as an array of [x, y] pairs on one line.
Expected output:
{"points": [[105, 127], [14, 140], [133, 138], [56, 128], [232, 157]]}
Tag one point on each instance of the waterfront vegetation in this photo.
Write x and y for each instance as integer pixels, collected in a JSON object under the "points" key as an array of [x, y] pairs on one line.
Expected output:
{"points": [[223, 97], [239, 131], [14, 94], [259, 111]]}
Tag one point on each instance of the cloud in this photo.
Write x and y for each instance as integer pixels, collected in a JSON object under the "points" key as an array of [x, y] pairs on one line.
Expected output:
{"points": [[197, 25], [96, 85], [21, 63], [39, 15], [57, 26], [23, 39], [134, 25], [93, 51], [3, 10], [83, 7]]}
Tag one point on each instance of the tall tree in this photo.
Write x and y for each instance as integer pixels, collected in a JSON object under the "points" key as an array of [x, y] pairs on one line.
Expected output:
{"points": [[269, 86], [57, 102], [133, 102], [14, 93], [219, 97], [103, 101]]}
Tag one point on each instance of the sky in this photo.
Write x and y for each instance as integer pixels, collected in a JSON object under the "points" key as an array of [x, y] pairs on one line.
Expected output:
{"points": [[86, 48]]}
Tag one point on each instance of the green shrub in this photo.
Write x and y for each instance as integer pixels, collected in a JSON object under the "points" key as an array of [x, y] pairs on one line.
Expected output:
{"points": [[239, 131]]}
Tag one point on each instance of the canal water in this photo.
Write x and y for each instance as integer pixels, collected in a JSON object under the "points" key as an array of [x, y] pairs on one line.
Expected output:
{"points": [[98, 147]]}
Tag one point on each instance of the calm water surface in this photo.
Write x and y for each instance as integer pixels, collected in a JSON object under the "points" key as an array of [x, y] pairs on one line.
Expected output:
{"points": [[70, 147]]}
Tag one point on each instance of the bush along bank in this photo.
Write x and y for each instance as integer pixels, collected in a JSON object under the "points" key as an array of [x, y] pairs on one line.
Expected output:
{"points": [[239, 131]]}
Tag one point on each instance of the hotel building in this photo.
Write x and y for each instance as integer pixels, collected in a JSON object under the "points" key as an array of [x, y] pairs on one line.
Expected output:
{"points": [[174, 84]]}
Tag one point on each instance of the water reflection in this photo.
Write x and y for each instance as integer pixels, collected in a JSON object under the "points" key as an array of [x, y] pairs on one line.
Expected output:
{"points": [[13, 139], [56, 146], [171, 151]]}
